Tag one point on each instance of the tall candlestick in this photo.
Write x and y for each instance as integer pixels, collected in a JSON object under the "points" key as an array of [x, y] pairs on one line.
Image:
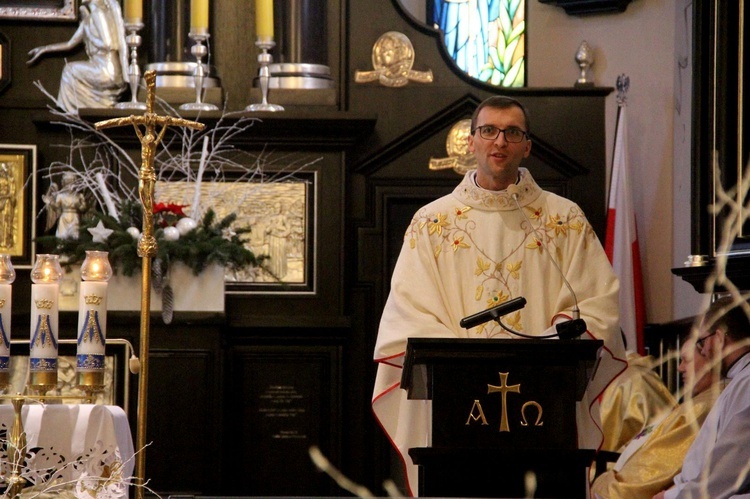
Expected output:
{"points": [[264, 19], [133, 26], [92, 320], [264, 76], [44, 319], [133, 11], [199, 16], [199, 51], [7, 276]]}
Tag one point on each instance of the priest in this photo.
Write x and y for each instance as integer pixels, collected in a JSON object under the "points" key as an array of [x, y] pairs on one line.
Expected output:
{"points": [[496, 237], [649, 462]]}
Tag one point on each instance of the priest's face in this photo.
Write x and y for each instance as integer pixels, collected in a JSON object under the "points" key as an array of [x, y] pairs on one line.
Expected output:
{"points": [[498, 160]]}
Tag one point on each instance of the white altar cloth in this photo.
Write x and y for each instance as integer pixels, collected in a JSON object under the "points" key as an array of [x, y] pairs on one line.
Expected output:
{"points": [[84, 448]]}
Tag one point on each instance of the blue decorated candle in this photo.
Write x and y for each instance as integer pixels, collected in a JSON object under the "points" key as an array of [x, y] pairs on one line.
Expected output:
{"points": [[92, 320], [43, 346]]}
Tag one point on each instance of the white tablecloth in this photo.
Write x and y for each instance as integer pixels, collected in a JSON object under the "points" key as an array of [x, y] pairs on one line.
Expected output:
{"points": [[79, 447]]}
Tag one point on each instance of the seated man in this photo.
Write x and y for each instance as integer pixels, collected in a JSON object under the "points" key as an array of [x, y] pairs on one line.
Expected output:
{"points": [[717, 463], [649, 462], [632, 401]]}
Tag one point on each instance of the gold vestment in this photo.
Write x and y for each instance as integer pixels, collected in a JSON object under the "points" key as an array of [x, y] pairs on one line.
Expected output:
{"points": [[632, 401], [655, 463]]}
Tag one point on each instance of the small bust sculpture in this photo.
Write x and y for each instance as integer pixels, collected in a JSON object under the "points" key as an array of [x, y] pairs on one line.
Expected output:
{"points": [[64, 206], [98, 81]]}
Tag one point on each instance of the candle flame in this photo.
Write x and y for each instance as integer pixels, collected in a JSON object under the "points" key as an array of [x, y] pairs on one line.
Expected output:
{"points": [[96, 266], [47, 269]]}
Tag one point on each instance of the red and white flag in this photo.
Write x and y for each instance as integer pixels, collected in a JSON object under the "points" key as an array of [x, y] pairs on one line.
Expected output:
{"points": [[621, 241]]}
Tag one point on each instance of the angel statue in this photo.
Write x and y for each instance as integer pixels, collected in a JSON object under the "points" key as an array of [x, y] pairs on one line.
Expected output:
{"points": [[99, 81], [64, 206]]}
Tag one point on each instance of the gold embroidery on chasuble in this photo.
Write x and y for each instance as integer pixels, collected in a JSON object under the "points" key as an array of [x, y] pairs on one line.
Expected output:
{"points": [[480, 239]]}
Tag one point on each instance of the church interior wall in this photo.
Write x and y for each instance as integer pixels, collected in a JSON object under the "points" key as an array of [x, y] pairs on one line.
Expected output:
{"points": [[367, 186], [640, 43]]}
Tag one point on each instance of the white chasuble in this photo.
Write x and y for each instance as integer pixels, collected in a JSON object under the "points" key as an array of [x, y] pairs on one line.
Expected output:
{"points": [[471, 250]]}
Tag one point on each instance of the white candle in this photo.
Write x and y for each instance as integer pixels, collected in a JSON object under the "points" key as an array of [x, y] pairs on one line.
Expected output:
{"points": [[43, 346], [44, 318], [92, 323], [7, 276], [92, 319]]}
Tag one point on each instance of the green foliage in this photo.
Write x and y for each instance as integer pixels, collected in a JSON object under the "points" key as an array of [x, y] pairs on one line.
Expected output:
{"points": [[211, 242]]}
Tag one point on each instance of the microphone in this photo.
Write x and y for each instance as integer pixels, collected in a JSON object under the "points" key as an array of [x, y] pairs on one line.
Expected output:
{"points": [[493, 313], [571, 329], [576, 326]]}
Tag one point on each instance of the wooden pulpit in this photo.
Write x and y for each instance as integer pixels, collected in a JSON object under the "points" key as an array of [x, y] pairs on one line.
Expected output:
{"points": [[503, 415]]}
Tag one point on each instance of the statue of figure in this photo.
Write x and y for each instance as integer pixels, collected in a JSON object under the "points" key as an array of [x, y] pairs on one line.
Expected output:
{"points": [[7, 205], [99, 81], [64, 206], [278, 231]]}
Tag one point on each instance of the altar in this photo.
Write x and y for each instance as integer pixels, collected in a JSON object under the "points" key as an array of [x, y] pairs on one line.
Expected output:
{"points": [[82, 448]]}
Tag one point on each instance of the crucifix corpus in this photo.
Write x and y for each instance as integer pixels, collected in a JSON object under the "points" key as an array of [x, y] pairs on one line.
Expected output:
{"points": [[150, 129]]}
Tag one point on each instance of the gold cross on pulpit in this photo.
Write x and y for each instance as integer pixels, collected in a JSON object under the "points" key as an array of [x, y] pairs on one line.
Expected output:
{"points": [[504, 389], [148, 132]]}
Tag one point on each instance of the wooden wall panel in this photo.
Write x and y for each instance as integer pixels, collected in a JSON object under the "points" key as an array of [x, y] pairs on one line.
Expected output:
{"points": [[281, 400]]}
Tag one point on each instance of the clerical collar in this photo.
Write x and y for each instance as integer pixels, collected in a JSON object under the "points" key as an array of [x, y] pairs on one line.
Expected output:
{"points": [[738, 366], [474, 179]]}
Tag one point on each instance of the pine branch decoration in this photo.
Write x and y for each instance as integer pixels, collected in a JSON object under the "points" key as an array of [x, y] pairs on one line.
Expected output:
{"points": [[211, 242]]}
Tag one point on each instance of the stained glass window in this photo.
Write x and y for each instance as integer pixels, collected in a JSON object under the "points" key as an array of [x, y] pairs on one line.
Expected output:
{"points": [[486, 38]]}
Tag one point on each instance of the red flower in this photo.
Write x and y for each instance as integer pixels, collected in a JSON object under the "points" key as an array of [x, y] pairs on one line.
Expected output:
{"points": [[170, 208], [168, 213]]}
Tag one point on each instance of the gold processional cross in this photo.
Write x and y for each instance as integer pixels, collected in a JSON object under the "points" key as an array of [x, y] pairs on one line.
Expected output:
{"points": [[146, 129]]}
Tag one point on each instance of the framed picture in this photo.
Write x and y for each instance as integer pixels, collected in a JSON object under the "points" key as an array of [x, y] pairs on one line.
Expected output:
{"points": [[281, 215], [18, 202], [39, 10]]}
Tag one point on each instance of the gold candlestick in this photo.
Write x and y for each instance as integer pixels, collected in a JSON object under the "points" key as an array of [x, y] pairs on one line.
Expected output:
{"points": [[146, 129], [16, 449]]}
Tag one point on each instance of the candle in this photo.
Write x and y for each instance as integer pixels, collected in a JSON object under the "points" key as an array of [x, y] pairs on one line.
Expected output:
{"points": [[199, 16], [92, 320], [264, 19], [133, 11], [7, 276], [44, 318]]}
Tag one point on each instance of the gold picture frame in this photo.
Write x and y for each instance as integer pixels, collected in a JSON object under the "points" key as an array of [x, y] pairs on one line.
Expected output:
{"points": [[18, 202], [40, 10], [281, 215]]}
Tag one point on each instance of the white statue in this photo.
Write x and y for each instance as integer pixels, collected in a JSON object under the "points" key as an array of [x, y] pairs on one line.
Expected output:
{"points": [[98, 81], [64, 205]]}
